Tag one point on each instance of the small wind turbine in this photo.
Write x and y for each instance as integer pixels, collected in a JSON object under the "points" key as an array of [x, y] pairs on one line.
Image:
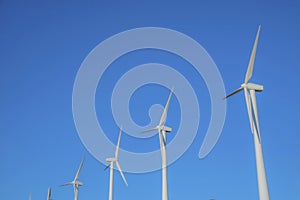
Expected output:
{"points": [[250, 89], [162, 130], [49, 194], [75, 182], [111, 166]]}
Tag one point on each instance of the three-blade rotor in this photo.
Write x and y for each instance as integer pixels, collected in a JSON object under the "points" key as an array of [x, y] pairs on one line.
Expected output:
{"points": [[248, 87], [116, 159], [250, 67], [75, 182], [161, 126]]}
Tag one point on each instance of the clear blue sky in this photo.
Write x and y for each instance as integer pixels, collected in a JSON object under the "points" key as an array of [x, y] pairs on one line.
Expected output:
{"points": [[42, 45]]}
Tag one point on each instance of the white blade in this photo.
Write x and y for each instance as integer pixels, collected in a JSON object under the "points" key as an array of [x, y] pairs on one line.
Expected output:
{"points": [[49, 194], [70, 183], [162, 137], [233, 93], [164, 115], [118, 144], [107, 167], [253, 99], [120, 170], [30, 196], [249, 108], [150, 130], [252, 58], [78, 171]]}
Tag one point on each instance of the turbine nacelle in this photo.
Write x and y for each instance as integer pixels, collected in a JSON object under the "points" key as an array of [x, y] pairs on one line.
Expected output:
{"points": [[248, 86], [111, 160], [78, 183], [75, 182], [253, 86], [164, 128]]}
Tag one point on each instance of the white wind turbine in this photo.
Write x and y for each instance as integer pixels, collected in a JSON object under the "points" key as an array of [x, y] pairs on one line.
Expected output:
{"points": [[162, 130], [111, 166], [75, 182], [250, 89], [49, 194]]}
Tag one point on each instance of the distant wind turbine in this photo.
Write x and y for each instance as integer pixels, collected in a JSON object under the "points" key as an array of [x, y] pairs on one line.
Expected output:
{"points": [[250, 90], [75, 182], [111, 166], [162, 130]]}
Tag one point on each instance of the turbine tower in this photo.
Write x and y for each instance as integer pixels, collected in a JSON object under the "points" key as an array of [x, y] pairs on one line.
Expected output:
{"points": [[250, 90], [75, 182], [162, 130], [111, 166]]}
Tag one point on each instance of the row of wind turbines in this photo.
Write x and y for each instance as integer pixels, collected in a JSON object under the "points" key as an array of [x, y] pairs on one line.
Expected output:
{"points": [[250, 90], [162, 130]]}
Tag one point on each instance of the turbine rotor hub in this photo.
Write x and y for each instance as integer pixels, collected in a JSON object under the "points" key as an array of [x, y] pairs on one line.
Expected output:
{"points": [[165, 128], [253, 86], [111, 159]]}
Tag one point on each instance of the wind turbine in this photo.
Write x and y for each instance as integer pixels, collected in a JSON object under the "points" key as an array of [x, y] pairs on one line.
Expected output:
{"points": [[49, 194], [162, 130], [111, 166], [75, 182], [250, 90]]}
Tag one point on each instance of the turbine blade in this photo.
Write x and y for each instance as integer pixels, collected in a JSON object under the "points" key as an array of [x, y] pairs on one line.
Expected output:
{"points": [[252, 58], [249, 108], [107, 167], [233, 93], [79, 169], [30, 197], [164, 115], [70, 183], [163, 138], [120, 170], [118, 144], [257, 127], [49, 194], [150, 130]]}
